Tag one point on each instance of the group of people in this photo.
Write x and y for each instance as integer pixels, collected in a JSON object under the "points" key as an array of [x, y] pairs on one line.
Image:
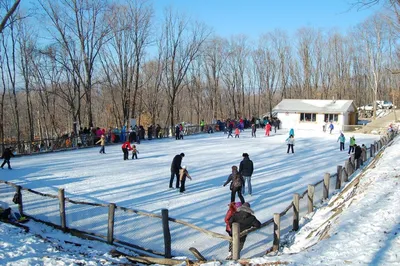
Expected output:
{"points": [[180, 172], [239, 212], [360, 152]]}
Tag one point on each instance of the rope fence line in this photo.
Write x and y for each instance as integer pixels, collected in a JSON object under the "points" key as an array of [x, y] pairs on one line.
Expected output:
{"points": [[130, 227]]}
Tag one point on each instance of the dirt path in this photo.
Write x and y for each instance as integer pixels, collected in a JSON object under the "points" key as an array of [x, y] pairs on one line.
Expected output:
{"points": [[380, 125]]}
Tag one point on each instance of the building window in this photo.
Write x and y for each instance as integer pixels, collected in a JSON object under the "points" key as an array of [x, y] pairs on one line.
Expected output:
{"points": [[331, 118], [308, 117]]}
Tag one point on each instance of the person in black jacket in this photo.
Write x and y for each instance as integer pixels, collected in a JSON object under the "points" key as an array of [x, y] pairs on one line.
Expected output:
{"points": [[236, 181], [357, 156], [244, 216], [246, 169], [7, 154], [175, 167]]}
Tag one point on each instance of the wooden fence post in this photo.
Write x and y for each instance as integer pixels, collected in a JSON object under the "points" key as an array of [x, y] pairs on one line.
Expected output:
{"points": [[296, 210], [167, 233], [235, 241], [20, 206], [61, 198], [346, 173], [277, 231], [338, 177], [371, 151], [310, 196], [327, 178], [111, 214]]}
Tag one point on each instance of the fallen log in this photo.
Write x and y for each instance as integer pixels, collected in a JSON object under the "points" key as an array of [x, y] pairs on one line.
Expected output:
{"points": [[197, 254], [147, 260]]}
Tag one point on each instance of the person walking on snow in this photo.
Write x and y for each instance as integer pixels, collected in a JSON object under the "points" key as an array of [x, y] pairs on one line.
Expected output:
{"points": [[267, 129], [7, 154], [134, 152], [290, 143], [175, 167], [102, 142], [246, 170], [183, 173], [126, 147], [236, 181], [341, 139]]}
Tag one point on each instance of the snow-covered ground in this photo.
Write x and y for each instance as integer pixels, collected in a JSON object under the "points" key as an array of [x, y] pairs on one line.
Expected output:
{"points": [[143, 185]]}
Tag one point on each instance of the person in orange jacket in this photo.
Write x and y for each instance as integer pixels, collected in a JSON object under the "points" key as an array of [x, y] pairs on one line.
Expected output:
{"points": [[126, 147], [237, 132], [267, 129]]}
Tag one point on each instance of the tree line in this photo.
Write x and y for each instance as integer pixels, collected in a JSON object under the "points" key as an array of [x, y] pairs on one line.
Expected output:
{"points": [[69, 64]]}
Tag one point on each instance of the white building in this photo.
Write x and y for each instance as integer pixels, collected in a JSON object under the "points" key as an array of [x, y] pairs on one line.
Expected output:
{"points": [[313, 114]]}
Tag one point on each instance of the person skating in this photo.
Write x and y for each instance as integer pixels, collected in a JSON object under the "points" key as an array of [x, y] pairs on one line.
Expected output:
{"points": [[246, 169], [177, 131], [341, 139], [175, 167], [236, 180], [102, 142], [352, 144], [290, 143], [244, 216], [126, 147], [267, 129], [134, 152], [331, 127], [253, 130], [237, 132], [183, 174], [291, 132], [230, 132], [7, 154]]}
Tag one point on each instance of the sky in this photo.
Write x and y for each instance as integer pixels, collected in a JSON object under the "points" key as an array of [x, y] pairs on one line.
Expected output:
{"points": [[256, 17], [142, 185]]}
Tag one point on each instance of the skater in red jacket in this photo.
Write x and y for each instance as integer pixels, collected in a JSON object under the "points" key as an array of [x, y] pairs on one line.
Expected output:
{"points": [[126, 147], [267, 129]]}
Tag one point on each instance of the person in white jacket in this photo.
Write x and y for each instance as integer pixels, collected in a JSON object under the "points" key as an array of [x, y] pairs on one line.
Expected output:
{"points": [[290, 143]]}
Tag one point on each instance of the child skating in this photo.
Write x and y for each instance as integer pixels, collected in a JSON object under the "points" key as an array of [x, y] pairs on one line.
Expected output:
{"points": [[237, 132], [134, 152], [102, 142], [183, 174]]}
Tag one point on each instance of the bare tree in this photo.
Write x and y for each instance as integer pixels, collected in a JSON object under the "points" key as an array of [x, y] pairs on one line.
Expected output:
{"points": [[26, 45], [215, 56], [78, 26], [9, 45], [8, 15], [371, 35], [182, 41]]}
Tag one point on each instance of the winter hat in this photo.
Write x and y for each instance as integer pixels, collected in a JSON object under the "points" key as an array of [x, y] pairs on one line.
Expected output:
{"points": [[234, 167], [238, 204], [245, 154], [182, 154], [184, 167], [246, 204]]}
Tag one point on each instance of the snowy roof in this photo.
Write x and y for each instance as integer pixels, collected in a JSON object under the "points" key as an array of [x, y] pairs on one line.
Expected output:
{"points": [[314, 106]]}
